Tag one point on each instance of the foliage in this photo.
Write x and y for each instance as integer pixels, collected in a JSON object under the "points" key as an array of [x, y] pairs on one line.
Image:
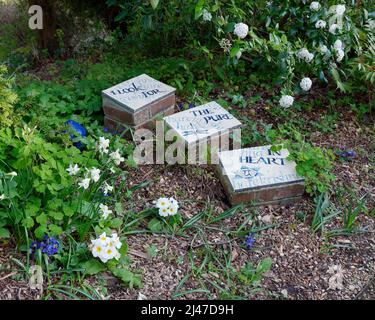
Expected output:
{"points": [[313, 163], [7, 98]]}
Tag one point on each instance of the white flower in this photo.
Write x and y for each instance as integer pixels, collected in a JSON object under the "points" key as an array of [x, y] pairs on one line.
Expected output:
{"points": [[286, 101], [105, 211], [115, 241], [116, 157], [73, 170], [338, 44], [333, 28], [163, 212], [95, 174], [340, 54], [2, 197], [167, 207], [241, 30], [97, 249], [163, 203], [323, 49], [85, 183], [103, 145], [107, 188], [173, 202], [106, 248], [172, 210], [305, 84], [315, 6], [320, 24], [207, 16], [340, 9], [304, 54], [103, 239]]}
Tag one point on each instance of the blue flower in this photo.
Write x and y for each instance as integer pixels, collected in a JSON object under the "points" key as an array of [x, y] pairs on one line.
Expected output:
{"points": [[249, 241], [181, 106], [49, 246], [191, 105]]}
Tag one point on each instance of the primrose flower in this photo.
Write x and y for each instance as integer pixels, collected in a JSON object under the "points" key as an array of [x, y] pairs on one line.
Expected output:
{"points": [[107, 188], [163, 203], [84, 183], [103, 239], [97, 250], [106, 248], [286, 101], [95, 174], [116, 157], [241, 30], [172, 210], [333, 28], [207, 16], [73, 170], [2, 197], [315, 6], [320, 24], [305, 84], [167, 207], [105, 211], [103, 145], [115, 241]]}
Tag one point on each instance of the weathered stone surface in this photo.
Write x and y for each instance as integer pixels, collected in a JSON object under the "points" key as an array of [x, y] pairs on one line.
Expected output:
{"points": [[138, 92], [138, 100], [204, 122], [259, 175]]}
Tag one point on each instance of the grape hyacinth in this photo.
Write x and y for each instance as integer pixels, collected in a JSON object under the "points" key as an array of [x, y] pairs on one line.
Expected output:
{"points": [[49, 246], [249, 241]]}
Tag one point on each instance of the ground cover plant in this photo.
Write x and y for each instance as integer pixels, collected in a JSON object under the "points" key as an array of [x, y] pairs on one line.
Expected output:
{"points": [[80, 220]]}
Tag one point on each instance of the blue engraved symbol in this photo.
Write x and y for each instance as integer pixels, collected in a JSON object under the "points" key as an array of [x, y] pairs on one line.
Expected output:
{"points": [[247, 172]]}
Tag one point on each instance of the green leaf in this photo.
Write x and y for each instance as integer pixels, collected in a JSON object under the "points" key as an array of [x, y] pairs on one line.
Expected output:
{"points": [[93, 266], [154, 3], [68, 211], [28, 222], [116, 223], [155, 225], [264, 265], [4, 233], [42, 219], [40, 231], [56, 230], [199, 9]]}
